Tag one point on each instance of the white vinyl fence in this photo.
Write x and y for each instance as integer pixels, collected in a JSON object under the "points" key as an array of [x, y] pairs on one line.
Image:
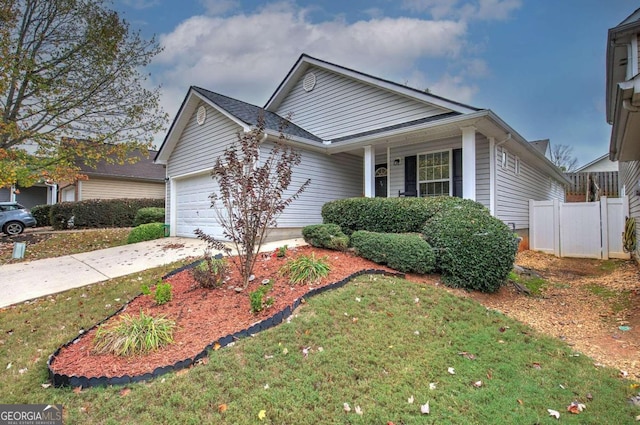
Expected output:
{"points": [[579, 229]]}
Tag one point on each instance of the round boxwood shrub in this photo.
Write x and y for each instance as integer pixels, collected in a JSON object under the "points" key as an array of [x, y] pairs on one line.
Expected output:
{"points": [[146, 232], [405, 252], [326, 236], [149, 215], [474, 250], [388, 215]]}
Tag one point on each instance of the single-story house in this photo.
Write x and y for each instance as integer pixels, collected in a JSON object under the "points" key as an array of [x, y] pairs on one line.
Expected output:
{"points": [[38, 194], [623, 108], [141, 179], [593, 180], [359, 135]]}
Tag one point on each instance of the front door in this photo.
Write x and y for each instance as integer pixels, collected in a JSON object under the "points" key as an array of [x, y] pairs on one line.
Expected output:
{"points": [[381, 181]]}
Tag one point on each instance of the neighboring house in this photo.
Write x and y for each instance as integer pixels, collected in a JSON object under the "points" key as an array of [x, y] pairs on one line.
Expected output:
{"points": [[593, 180], [623, 108], [141, 179], [359, 135], [38, 194]]}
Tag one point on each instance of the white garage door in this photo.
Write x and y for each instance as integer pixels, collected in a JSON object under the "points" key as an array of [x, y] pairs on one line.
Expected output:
{"points": [[193, 206]]}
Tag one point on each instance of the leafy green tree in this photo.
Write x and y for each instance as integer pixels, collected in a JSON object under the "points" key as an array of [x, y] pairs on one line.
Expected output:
{"points": [[71, 86]]}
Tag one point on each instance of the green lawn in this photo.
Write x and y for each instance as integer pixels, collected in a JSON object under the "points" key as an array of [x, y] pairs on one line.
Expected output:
{"points": [[374, 344]]}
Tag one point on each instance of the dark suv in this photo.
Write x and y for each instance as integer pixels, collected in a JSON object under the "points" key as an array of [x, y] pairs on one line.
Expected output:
{"points": [[14, 218]]}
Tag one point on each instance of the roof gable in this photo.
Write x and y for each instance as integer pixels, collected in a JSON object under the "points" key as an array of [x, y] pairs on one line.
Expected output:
{"points": [[305, 61]]}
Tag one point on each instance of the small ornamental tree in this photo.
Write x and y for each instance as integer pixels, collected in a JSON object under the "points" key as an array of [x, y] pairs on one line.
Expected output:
{"points": [[251, 193]]}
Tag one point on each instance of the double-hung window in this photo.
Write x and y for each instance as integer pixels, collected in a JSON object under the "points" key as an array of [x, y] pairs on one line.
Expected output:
{"points": [[434, 174]]}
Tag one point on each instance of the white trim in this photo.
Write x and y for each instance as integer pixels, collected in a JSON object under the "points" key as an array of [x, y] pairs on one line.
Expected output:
{"points": [[504, 158], [191, 174], [12, 193], [389, 165], [173, 220], [516, 164], [469, 163], [634, 56], [492, 175], [450, 179], [369, 171]]}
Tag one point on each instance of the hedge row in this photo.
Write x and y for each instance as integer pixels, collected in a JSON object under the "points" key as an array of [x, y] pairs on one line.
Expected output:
{"points": [[388, 215], [149, 215], [405, 252], [326, 236], [473, 249], [97, 213], [146, 232], [41, 214]]}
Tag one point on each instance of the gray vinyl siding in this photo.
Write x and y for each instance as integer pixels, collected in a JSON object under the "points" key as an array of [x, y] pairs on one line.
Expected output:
{"points": [[629, 176], [396, 172], [332, 177], [513, 191], [199, 146], [340, 106]]}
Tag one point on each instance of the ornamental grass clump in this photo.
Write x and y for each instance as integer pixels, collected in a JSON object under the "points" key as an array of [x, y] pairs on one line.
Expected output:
{"points": [[132, 335], [306, 269]]}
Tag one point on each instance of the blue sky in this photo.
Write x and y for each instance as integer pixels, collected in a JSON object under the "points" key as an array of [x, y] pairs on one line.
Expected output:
{"points": [[538, 64]]}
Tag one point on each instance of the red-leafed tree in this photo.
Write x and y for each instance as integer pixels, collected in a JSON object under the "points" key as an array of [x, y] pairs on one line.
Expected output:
{"points": [[251, 193]]}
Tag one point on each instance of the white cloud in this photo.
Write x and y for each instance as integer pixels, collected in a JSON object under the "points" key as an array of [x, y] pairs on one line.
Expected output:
{"points": [[247, 55], [454, 87], [464, 10]]}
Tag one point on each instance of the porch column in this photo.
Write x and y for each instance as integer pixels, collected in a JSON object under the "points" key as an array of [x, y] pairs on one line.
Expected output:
{"points": [[469, 162], [369, 171]]}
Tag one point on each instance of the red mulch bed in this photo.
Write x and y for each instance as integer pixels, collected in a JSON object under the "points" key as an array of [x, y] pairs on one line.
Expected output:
{"points": [[203, 316]]}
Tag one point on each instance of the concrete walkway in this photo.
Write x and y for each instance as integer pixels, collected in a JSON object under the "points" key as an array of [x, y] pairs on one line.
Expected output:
{"points": [[33, 279]]}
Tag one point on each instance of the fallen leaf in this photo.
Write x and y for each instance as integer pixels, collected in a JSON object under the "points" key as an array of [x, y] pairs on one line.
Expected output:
{"points": [[575, 407], [416, 333], [9, 366], [182, 372], [262, 414], [346, 407], [354, 320], [216, 346], [520, 402], [266, 386], [285, 351], [46, 385], [22, 371], [305, 352], [359, 410], [477, 384], [358, 299], [432, 385], [624, 374], [424, 409], [320, 349], [125, 392], [222, 408], [554, 413], [536, 365], [267, 357], [451, 371], [77, 390], [410, 400], [589, 396], [416, 300]]}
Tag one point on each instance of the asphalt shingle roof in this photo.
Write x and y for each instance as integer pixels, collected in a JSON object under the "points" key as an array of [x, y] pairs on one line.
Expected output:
{"points": [[143, 169], [248, 114]]}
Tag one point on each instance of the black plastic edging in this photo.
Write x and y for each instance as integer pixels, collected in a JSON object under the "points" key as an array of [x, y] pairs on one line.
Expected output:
{"points": [[59, 380]]}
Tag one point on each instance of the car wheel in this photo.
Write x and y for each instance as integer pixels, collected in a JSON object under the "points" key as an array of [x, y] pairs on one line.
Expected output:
{"points": [[13, 228]]}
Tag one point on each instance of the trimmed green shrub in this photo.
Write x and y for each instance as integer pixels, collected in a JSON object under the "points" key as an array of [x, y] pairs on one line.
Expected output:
{"points": [[388, 215], [99, 213], [474, 250], [146, 232], [405, 252], [41, 214], [325, 236], [149, 215]]}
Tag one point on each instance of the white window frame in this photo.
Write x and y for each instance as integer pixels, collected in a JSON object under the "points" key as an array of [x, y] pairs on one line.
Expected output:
{"points": [[516, 164], [450, 179], [504, 158]]}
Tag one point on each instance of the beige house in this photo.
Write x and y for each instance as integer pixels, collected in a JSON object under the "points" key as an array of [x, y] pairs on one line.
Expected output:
{"points": [[142, 179]]}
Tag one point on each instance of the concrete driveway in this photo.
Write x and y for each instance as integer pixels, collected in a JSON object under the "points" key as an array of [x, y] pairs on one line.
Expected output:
{"points": [[32, 279]]}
